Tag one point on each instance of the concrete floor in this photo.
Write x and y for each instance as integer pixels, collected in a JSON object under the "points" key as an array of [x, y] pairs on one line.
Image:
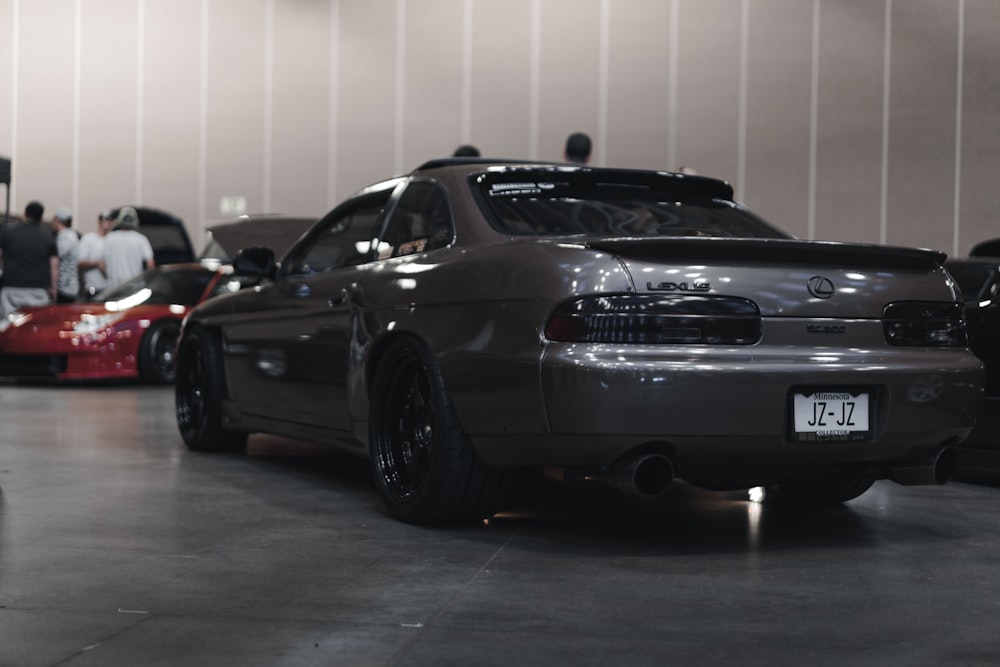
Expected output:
{"points": [[119, 547]]}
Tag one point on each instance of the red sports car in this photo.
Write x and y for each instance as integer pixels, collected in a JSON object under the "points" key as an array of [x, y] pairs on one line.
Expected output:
{"points": [[127, 331]]}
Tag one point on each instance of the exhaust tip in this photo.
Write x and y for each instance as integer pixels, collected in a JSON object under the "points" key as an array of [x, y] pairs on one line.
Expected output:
{"points": [[653, 475], [936, 470], [643, 475]]}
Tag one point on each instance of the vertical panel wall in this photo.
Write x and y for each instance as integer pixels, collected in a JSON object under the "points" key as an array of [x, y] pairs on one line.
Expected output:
{"points": [[708, 87], [848, 176], [779, 111], [235, 125], [638, 93], [109, 80], [297, 173], [172, 132], [922, 105], [862, 120], [367, 94], [45, 62], [501, 89], [569, 74], [979, 195], [8, 47], [432, 90]]}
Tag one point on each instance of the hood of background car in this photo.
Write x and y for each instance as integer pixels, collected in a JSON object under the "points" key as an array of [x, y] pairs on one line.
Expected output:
{"points": [[79, 318], [276, 232]]}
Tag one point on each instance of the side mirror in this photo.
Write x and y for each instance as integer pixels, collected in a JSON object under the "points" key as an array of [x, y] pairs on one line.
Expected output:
{"points": [[255, 262]]}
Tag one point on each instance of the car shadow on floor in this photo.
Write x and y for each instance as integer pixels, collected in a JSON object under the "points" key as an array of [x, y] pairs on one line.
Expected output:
{"points": [[551, 516]]}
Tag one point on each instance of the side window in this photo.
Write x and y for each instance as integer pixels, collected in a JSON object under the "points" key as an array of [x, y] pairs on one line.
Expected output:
{"points": [[343, 240], [420, 222]]}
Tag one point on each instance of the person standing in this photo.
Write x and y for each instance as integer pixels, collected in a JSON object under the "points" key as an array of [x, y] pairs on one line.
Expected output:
{"points": [[127, 252], [578, 146], [91, 256], [466, 150], [67, 244], [30, 262]]}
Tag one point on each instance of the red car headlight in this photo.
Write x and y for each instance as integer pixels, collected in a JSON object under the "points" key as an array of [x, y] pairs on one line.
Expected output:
{"points": [[657, 319], [925, 323]]}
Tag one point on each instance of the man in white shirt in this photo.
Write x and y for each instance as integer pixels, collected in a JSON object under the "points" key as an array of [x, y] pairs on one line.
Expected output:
{"points": [[91, 256], [127, 252]]}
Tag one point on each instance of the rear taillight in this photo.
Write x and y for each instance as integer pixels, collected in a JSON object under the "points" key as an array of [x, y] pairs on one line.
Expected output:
{"points": [[925, 324], [656, 319]]}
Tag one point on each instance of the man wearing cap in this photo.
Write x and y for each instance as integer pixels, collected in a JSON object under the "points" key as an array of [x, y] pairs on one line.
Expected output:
{"points": [[30, 262], [67, 244], [91, 255], [127, 252]]}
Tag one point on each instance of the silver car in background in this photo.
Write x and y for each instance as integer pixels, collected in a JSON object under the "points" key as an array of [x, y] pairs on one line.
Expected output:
{"points": [[476, 317]]}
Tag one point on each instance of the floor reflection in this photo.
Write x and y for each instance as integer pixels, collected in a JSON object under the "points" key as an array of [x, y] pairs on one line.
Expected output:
{"points": [[684, 520]]}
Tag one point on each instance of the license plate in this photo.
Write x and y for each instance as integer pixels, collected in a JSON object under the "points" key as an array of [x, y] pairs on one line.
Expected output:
{"points": [[830, 414]]}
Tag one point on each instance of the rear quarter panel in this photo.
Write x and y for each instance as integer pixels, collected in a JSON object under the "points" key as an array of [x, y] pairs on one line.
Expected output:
{"points": [[482, 311]]}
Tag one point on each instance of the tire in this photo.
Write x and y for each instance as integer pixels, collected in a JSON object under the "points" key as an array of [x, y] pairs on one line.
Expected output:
{"points": [[424, 466], [157, 352], [198, 392], [819, 492]]}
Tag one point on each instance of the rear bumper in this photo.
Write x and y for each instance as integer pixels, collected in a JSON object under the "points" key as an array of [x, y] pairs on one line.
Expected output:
{"points": [[724, 415]]}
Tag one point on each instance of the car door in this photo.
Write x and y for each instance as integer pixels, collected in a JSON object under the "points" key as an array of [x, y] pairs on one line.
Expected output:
{"points": [[287, 352]]}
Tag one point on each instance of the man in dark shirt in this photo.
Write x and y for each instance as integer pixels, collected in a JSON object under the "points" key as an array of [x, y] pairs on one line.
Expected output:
{"points": [[30, 262]]}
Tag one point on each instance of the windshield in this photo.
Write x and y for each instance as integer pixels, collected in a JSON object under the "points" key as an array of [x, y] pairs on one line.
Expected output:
{"points": [[625, 205], [183, 287]]}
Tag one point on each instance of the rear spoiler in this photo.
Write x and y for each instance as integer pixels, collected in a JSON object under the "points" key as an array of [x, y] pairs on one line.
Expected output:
{"points": [[769, 251]]}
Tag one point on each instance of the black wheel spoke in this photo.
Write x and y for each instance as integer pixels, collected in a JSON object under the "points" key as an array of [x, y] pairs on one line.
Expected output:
{"points": [[407, 443], [199, 393], [422, 460]]}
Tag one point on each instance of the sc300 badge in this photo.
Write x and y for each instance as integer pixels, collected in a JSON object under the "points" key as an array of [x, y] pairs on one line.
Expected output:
{"points": [[826, 328]]}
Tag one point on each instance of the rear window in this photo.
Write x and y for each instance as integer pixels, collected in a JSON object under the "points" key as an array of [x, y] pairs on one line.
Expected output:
{"points": [[622, 205]]}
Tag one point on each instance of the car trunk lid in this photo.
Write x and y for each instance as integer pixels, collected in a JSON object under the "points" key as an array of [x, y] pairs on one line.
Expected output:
{"points": [[786, 278]]}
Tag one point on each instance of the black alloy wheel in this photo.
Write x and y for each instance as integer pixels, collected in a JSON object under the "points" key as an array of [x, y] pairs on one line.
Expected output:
{"points": [[411, 412], [198, 394], [157, 351], [424, 465]]}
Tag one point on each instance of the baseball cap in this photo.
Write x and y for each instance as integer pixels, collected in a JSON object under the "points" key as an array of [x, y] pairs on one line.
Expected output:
{"points": [[127, 217], [63, 214]]}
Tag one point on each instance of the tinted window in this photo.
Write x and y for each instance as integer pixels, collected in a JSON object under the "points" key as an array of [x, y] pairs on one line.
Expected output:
{"points": [[343, 239], [421, 221], [556, 203], [972, 278], [161, 287]]}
